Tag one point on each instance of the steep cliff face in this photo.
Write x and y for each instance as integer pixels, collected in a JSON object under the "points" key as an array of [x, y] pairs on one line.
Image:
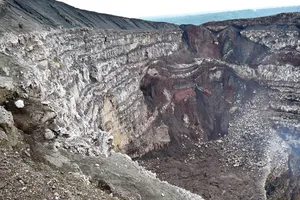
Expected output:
{"points": [[91, 79], [241, 94], [68, 96], [212, 108]]}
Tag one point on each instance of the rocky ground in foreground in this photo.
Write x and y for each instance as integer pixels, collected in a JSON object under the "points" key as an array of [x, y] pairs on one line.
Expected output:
{"points": [[21, 178], [32, 168], [213, 108]]}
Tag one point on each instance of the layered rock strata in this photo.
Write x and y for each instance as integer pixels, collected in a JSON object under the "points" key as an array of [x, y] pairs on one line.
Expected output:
{"points": [[240, 92], [91, 79], [212, 108]]}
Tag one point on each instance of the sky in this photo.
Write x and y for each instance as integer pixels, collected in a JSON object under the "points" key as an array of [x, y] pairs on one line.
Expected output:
{"points": [[150, 8]]}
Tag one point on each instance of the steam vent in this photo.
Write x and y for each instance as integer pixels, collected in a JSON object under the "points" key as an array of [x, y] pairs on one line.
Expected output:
{"points": [[94, 106]]}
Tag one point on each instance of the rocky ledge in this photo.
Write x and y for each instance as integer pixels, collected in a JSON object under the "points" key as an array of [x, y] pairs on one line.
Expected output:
{"points": [[213, 108], [232, 110]]}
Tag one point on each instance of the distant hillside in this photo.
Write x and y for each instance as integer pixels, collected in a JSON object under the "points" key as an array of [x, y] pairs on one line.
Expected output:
{"points": [[202, 18], [33, 14]]}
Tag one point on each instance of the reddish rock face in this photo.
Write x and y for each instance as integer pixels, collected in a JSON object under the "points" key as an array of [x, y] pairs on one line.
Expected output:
{"points": [[215, 106], [180, 95], [194, 98], [202, 42], [225, 105]]}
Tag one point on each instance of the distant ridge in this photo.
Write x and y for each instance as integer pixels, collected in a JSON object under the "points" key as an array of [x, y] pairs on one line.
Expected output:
{"points": [[36, 14], [198, 19]]}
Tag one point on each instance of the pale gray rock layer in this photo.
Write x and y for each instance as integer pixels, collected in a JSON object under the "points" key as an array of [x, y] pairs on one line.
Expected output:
{"points": [[82, 74], [80, 90]]}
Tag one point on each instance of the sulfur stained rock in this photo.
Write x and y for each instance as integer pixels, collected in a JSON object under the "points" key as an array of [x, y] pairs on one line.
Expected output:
{"points": [[233, 109]]}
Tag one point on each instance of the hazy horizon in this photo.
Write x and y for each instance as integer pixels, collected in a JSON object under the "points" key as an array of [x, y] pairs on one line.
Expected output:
{"points": [[168, 8], [212, 12], [198, 19]]}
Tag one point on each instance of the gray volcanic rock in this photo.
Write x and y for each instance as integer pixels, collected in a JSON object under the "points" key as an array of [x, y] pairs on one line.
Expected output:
{"points": [[213, 109], [21, 178], [76, 90], [243, 85], [92, 84]]}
